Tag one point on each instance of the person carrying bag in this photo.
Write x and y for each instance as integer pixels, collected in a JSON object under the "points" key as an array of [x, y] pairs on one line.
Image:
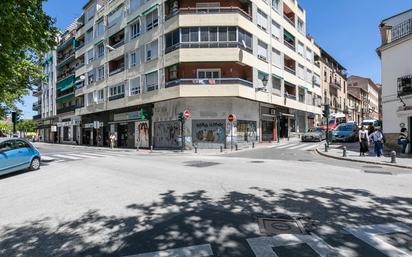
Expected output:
{"points": [[403, 139]]}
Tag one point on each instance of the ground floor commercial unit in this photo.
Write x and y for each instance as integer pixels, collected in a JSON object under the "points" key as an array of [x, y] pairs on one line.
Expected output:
{"points": [[156, 125]]}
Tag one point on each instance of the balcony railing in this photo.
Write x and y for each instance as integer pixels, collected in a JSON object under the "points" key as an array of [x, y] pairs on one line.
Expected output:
{"points": [[66, 109], [118, 44], [215, 81], [37, 117], [290, 45], [118, 70], [402, 30], [115, 97], [290, 96], [208, 45], [210, 10], [335, 84], [290, 70], [289, 20]]}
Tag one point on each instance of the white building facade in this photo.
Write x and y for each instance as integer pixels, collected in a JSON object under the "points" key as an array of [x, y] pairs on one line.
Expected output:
{"points": [[396, 53]]}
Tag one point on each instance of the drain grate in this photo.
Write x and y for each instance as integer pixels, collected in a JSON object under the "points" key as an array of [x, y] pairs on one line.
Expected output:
{"points": [[257, 162], [378, 172], [200, 164]]}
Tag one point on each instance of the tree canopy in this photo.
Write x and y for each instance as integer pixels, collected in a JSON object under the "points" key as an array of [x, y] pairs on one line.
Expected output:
{"points": [[26, 32], [26, 126]]}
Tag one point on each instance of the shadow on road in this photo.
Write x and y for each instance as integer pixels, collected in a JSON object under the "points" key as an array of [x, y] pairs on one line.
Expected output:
{"points": [[193, 218]]}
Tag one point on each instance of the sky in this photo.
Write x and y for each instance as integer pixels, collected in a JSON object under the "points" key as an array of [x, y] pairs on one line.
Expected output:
{"points": [[346, 29]]}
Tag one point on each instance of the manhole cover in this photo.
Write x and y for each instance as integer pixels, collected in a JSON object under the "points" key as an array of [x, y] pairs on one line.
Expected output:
{"points": [[257, 162], [378, 172], [284, 224], [372, 167], [200, 164]]}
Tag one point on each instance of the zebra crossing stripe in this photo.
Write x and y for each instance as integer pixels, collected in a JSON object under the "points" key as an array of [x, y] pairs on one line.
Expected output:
{"points": [[286, 146], [66, 157], [82, 155], [309, 147], [93, 155], [191, 251], [297, 146]]}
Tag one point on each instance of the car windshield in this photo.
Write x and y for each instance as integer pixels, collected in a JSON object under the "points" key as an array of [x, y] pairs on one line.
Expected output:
{"points": [[345, 128]]}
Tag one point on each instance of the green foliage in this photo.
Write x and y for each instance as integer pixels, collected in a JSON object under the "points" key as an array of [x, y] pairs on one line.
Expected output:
{"points": [[26, 126], [26, 32], [6, 128]]}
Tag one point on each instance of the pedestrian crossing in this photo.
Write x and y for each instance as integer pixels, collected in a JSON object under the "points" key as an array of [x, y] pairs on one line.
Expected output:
{"points": [[296, 145], [71, 156]]}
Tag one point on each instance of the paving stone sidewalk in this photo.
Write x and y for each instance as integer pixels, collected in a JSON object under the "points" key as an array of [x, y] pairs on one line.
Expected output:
{"points": [[352, 152]]}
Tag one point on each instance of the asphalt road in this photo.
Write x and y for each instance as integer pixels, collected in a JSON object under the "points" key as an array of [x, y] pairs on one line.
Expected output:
{"points": [[104, 203]]}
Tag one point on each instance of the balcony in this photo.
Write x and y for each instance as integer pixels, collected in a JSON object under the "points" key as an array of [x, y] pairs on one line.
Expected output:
{"points": [[289, 15], [36, 106], [213, 82], [65, 58], [117, 40], [71, 108], [37, 117], [290, 65], [335, 84], [405, 85], [399, 31], [115, 97], [200, 7], [289, 40], [116, 66]]}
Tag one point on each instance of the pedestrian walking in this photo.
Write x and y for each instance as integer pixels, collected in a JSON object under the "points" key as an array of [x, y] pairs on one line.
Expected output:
{"points": [[112, 140], [403, 139], [377, 138], [363, 141]]}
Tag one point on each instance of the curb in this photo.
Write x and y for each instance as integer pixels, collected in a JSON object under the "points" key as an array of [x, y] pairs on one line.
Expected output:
{"points": [[361, 161]]}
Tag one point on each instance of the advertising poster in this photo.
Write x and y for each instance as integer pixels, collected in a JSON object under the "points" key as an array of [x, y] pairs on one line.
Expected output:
{"points": [[142, 134], [167, 134]]}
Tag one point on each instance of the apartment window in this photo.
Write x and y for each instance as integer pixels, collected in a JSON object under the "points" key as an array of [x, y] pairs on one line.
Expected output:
{"points": [[172, 38], [245, 39], [309, 76], [89, 36], [208, 5], [90, 98], [262, 50], [152, 20], [173, 73], [276, 30], [99, 28], [194, 34], [208, 73], [152, 82], [114, 16], [316, 80], [116, 90], [134, 58], [90, 55], [276, 85], [301, 71], [89, 13], [134, 4], [276, 58], [309, 55], [185, 34], [134, 85], [301, 26], [301, 49], [135, 29], [262, 20], [90, 77], [100, 96], [100, 73], [275, 5], [100, 50], [151, 50]]}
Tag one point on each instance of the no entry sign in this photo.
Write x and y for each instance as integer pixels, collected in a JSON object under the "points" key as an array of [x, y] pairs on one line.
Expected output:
{"points": [[187, 115], [231, 118]]}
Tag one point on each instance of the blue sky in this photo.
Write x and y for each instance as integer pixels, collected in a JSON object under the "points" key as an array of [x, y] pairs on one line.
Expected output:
{"points": [[346, 29]]}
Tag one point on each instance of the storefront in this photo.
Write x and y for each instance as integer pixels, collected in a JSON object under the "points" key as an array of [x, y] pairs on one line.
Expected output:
{"points": [[68, 130], [209, 133], [167, 134]]}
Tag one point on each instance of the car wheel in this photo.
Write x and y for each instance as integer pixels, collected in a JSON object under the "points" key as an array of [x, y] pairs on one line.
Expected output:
{"points": [[35, 164]]}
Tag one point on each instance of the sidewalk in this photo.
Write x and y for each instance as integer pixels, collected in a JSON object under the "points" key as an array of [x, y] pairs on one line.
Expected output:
{"points": [[352, 151]]}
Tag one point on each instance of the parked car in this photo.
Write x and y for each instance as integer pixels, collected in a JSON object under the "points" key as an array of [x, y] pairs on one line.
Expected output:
{"points": [[314, 134], [346, 132], [18, 154]]}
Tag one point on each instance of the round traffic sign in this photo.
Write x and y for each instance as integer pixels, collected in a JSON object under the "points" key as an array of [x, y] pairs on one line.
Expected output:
{"points": [[187, 115], [231, 117]]}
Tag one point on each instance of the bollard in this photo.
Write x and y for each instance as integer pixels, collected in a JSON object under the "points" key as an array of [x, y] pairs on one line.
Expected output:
{"points": [[326, 147], [195, 149], [137, 148], [151, 149], [393, 157], [236, 147], [344, 151], [253, 144], [221, 149]]}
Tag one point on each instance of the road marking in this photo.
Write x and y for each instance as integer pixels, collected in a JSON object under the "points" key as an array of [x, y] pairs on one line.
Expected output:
{"points": [[310, 147], [82, 155], [369, 234], [297, 146], [263, 246], [277, 145], [191, 251], [94, 154], [286, 146], [66, 157]]}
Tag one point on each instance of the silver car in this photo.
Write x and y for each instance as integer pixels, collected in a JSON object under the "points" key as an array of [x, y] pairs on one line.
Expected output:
{"points": [[314, 134]]}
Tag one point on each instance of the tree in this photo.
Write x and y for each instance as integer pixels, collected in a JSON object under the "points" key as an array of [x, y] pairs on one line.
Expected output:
{"points": [[6, 128], [26, 126], [26, 32]]}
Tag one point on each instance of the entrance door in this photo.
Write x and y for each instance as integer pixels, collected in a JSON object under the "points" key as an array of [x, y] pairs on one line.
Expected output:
{"points": [[122, 135], [267, 130]]}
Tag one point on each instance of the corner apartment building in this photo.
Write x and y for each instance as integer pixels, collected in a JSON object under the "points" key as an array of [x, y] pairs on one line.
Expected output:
{"points": [[368, 92], [46, 100], [159, 58], [334, 83], [395, 53], [354, 106]]}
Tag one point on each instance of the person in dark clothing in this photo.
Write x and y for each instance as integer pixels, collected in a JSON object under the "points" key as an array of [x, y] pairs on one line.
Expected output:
{"points": [[363, 141], [403, 139]]}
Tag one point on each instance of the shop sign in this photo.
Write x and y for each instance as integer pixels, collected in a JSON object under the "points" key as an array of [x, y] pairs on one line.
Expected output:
{"points": [[127, 116], [89, 125], [53, 128], [68, 123]]}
